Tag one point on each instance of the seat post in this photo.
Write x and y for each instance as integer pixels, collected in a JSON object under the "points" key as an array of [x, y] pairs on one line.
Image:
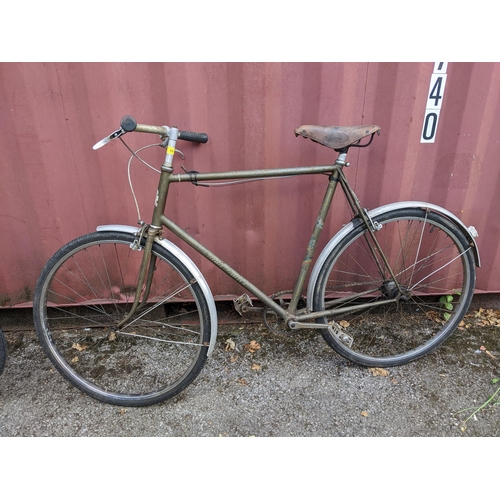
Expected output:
{"points": [[341, 160]]}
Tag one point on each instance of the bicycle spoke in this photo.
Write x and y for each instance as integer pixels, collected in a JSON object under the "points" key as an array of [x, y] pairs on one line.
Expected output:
{"points": [[442, 267], [85, 303], [161, 302], [134, 335]]}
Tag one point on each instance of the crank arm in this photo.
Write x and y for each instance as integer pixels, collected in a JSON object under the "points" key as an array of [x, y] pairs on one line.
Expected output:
{"points": [[298, 325]]}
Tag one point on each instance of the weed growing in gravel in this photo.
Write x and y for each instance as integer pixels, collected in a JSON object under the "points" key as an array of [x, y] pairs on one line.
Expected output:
{"points": [[493, 400], [447, 302]]}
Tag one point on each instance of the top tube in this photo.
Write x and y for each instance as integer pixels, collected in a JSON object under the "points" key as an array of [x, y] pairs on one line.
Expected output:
{"points": [[252, 174]]}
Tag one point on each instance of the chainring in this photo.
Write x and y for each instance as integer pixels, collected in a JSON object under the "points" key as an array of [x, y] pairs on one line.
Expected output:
{"points": [[274, 322]]}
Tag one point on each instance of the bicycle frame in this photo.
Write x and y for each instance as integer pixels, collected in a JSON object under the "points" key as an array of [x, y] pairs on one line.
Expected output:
{"points": [[160, 220], [290, 315], [253, 174]]}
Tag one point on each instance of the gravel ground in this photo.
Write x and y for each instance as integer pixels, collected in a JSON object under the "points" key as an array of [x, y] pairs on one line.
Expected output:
{"points": [[291, 386]]}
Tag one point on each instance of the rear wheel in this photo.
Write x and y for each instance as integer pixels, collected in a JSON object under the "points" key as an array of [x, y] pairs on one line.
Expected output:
{"points": [[88, 287], [403, 319]]}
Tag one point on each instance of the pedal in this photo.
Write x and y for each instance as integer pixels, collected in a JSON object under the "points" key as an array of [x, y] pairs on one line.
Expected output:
{"points": [[336, 330], [242, 301]]}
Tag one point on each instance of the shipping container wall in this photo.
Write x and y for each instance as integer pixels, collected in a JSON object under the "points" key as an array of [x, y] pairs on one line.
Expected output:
{"points": [[55, 187]]}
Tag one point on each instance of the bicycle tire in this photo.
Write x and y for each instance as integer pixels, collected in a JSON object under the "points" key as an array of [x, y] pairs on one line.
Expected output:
{"points": [[3, 351], [431, 259], [87, 287]]}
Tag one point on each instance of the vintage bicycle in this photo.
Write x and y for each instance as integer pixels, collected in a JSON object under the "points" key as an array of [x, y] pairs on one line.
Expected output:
{"points": [[127, 317]]}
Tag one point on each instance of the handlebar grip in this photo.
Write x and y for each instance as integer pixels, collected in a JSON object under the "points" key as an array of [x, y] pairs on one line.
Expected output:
{"points": [[193, 136], [128, 123]]}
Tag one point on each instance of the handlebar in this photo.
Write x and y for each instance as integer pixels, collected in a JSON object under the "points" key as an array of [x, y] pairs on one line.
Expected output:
{"points": [[129, 124]]}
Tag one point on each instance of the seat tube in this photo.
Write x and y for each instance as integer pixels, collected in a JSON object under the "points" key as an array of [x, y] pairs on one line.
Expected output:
{"points": [[311, 247]]}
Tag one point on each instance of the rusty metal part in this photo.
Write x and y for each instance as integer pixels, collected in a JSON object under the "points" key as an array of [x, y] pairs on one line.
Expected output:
{"points": [[241, 302], [272, 321], [336, 137]]}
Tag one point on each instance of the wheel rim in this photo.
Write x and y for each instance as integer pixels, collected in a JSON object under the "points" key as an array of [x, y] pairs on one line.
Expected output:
{"points": [[152, 357]]}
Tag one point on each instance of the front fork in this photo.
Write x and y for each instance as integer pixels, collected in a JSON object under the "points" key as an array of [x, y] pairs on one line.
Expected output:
{"points": [[145, 276], [146, 271]]}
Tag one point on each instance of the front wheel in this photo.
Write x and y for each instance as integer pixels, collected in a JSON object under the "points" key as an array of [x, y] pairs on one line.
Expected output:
{"points": [[88, 287], [387, 320]]}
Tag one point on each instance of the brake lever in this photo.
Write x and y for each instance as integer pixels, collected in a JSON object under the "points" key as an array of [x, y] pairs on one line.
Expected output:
{"points": [[114, 135]]}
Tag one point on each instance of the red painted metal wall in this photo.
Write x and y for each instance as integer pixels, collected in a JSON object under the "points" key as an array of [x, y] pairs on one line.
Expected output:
{"points": [[54, 187]]}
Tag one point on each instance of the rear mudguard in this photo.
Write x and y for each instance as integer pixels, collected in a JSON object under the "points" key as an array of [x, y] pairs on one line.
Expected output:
{"points": [[469, 232], [191, 266]]}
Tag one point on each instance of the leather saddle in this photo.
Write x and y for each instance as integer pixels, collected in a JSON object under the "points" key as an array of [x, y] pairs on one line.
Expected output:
{"points": [[336, 137]]}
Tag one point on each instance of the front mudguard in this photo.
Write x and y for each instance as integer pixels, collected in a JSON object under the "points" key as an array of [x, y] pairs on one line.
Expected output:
{"points": [[191, 266], [469, 232]]}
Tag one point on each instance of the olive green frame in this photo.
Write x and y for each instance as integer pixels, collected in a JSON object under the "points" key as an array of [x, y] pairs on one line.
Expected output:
{"points": [[160, 220]]}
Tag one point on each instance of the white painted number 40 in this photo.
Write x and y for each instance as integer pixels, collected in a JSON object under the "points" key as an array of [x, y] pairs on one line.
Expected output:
{"points": [[434, 101]]}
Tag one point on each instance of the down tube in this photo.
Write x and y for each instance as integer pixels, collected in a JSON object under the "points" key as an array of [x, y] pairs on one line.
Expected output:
{"points": [[223, 266]]}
